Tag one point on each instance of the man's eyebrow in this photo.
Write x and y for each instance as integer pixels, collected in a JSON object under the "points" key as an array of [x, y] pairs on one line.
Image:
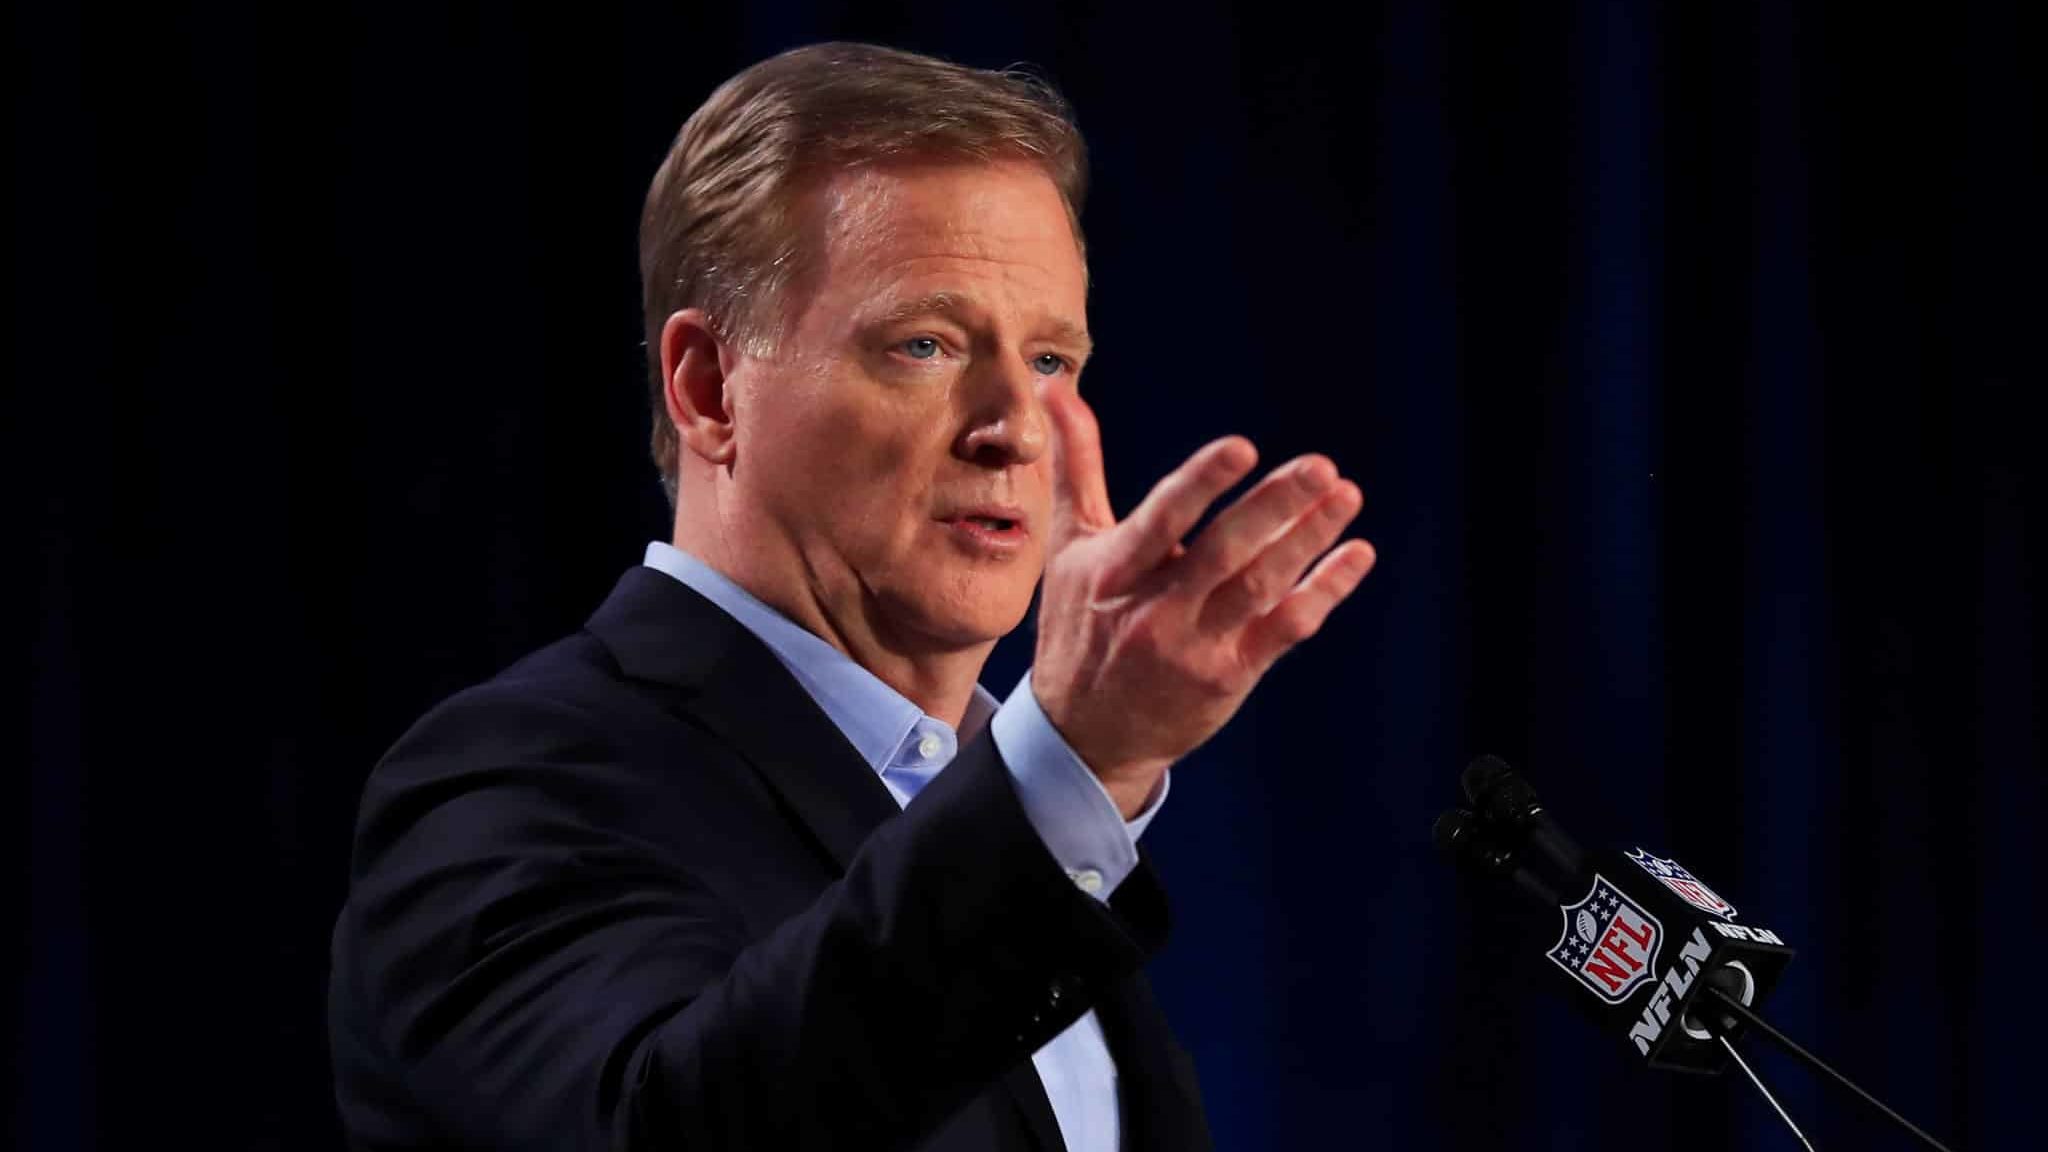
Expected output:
{"points": [[1068, 332], [952, 304], [935, 303]]}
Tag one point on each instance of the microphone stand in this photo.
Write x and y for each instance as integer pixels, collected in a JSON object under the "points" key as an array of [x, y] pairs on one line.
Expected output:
{"points": [[1722, 1039], [1741, 1011]]}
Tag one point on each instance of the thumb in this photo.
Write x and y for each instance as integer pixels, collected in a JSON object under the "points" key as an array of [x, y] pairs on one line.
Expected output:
{"points": [[1080, 495]]}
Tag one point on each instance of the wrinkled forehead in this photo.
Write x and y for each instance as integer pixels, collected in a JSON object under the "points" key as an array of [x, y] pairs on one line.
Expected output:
{"points": [[875, 222]]}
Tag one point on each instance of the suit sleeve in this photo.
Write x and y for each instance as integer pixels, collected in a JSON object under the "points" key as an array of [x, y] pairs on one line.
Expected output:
{"points": [[542, 981]]}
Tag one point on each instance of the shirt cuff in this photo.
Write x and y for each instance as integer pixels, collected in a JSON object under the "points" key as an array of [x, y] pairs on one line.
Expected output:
{"points": [[1068, 807]]}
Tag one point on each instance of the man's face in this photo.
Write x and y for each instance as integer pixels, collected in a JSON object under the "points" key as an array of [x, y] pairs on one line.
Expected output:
{"points": [[895, 442]]}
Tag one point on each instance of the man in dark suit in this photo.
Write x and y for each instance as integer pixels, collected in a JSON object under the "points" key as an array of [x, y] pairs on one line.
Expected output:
{"points": [[663, 884]]}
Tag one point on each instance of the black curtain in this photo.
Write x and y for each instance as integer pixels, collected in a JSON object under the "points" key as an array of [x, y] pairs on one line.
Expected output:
{"points": [[1682, 351]]}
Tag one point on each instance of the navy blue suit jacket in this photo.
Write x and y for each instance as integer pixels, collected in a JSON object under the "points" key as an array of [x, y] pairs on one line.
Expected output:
{"points": [[638, 892]]}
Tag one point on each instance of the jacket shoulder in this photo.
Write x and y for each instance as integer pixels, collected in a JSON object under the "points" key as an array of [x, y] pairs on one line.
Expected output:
{"points": [[562, 728], [570, 689]]}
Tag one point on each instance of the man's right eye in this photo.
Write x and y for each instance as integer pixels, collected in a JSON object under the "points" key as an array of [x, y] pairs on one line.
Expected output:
{"points": [[921, 347]]}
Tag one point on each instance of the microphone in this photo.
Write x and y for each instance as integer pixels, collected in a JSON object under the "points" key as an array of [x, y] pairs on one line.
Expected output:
{"points": [[1505, 799], [1658, 956], [1639, 936], [1457, 832]]}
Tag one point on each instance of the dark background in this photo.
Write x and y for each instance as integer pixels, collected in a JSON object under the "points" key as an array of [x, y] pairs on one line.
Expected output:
{"points": [[1682, 351]]}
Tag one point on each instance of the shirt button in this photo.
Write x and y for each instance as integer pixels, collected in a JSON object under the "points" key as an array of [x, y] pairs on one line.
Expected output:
{"points": [[1087, 880], [929, 746]]}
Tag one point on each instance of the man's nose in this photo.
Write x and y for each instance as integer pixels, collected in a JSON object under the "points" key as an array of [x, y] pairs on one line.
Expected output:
{"points": [[1006, 419]]}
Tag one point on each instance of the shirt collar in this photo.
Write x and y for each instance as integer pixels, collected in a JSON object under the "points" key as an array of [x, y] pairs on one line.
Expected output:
{"points": [[875, 718]]}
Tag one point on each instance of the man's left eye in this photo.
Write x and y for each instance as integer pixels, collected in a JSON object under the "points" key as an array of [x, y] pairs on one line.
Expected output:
{"points": [[1048, 364], [921, 347]]}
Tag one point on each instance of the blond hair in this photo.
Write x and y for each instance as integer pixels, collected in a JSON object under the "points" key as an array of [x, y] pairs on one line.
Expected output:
{"points": [[719, 231]]}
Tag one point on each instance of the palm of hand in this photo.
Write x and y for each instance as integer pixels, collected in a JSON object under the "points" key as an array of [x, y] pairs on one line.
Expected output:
{"points": [[1146, 645]]}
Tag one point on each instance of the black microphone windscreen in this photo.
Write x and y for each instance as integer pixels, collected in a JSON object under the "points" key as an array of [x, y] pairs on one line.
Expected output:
{"points": [[1450, 828], [1481, 775]]}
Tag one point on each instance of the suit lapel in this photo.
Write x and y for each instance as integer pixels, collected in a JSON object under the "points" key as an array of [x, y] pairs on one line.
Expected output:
{"points": [[663, 632], [1027, 1092], [1159, 1100]]}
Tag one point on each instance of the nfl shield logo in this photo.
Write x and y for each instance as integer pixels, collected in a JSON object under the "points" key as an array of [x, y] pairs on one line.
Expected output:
{"points": [[1688, 886], [1610, 942]]}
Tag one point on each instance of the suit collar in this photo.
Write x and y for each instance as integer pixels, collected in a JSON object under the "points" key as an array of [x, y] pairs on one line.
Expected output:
{"points": [[875, 718], [725, 679]]}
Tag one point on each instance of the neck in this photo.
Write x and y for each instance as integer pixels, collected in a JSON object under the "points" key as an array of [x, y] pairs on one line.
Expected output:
{"points": [[938, 678]]}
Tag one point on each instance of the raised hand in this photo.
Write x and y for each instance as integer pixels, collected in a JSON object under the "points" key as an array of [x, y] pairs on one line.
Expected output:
{"points": [[1148, 644]]}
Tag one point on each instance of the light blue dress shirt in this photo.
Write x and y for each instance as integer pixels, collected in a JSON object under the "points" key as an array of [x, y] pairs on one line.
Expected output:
{"points": [[1068, 807]]}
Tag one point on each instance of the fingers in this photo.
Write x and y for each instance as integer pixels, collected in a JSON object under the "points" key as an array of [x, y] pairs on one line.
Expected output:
{"points": [[1080, 495], [1245, 529], [1273, 572], [1152, 533], [1303, 611]]}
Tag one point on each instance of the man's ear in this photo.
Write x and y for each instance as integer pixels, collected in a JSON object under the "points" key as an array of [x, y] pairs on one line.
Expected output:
{"points": [[694, 363]]}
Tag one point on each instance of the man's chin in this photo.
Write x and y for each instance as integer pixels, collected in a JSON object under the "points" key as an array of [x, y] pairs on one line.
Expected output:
{"points": [[963, 622], [979, 628]]}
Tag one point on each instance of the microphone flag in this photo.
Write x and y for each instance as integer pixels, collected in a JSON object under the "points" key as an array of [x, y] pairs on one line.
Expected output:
{"points": [[1689, 887], [1610, 942]]}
